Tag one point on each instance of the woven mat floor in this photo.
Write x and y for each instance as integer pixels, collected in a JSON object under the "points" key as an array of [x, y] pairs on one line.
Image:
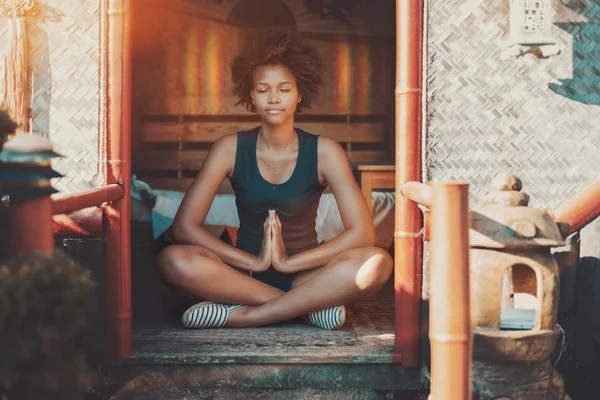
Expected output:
{"points": [[367, 336]]}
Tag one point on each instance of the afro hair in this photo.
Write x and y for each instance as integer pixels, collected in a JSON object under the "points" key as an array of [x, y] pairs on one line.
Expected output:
{"points": [[285, 49]]}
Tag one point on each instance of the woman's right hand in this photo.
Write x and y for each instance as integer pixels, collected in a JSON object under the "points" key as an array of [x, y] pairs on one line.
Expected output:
{"points": [[263, 259]]}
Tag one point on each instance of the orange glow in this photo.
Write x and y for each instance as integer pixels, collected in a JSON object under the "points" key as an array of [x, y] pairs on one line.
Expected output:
{"points": [[343, 78], [173, 65], [191, 72], [211, 69], [365, 83]]}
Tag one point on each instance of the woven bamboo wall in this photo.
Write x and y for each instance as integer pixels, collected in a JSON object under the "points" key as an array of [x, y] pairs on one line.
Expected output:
{"points": [[486, 115], [64, 41]]}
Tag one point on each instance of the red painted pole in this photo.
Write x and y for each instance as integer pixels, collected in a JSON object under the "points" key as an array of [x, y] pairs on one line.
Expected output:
{"points": [[580, 209], [118, 171], [408, 237], [91, 198]]}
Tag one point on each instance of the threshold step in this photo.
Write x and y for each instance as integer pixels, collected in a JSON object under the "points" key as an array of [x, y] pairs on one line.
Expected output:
{"points": [[136, 391]]}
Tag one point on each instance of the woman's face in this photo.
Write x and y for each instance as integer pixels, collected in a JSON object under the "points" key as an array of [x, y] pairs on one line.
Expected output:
{"points": [[275, 94]]}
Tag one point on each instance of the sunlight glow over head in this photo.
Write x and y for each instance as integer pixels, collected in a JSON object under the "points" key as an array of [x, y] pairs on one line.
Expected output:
{"points": [[354, 83]]}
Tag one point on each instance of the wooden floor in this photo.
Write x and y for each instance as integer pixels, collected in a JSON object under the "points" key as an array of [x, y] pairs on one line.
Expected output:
{"points": [[367, 337]]}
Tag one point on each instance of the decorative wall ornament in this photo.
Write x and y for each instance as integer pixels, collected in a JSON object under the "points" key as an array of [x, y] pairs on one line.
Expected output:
{"points": [[16, 87], [530, 29]]}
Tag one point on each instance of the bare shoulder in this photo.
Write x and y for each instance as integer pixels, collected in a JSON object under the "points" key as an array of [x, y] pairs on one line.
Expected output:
{"points": [[330, 148], [221, 156], [225, 145], [334, 165]]}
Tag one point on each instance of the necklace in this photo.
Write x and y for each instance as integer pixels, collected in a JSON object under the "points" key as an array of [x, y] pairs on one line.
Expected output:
{"points": [[275, 169]]}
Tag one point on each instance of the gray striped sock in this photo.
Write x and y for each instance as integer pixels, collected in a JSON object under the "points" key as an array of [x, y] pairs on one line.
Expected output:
{"points": [[208, 315], [330, 318]]}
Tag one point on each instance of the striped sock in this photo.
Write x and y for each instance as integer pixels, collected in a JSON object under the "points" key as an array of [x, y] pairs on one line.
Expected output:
{"points": [[330, 319], [208, 315]]}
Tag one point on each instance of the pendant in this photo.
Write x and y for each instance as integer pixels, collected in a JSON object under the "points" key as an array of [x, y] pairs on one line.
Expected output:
{"points": [[273, 187]]}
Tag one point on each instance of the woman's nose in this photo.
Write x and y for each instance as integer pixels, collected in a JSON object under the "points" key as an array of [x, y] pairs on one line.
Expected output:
{"points": [[274, 97]]}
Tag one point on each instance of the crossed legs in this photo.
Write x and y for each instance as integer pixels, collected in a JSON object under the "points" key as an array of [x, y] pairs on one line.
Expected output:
{"points": [[199, 273]]}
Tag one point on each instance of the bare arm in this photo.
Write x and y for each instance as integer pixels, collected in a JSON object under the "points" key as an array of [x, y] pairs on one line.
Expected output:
{"points": [[359, 230], [187, 227]]}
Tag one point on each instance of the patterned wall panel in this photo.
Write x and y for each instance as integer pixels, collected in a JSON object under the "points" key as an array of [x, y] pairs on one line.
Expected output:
{"points": [[64, 43], [536, 117]]}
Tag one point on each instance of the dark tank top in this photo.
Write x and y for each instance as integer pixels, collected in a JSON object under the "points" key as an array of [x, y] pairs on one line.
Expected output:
{"points": [[295, 201]]}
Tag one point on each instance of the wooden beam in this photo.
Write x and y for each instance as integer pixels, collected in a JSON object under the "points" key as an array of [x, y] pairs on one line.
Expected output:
{"points": [[181, 185], [191, 160], [210, 131], [205, 105]]}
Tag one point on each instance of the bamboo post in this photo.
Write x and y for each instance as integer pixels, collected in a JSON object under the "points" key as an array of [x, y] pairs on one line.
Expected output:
{"points": [[450, 322], [408, 241]]}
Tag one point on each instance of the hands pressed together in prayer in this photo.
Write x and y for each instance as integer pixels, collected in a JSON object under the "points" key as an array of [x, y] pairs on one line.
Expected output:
{"points": [[273, 251]]}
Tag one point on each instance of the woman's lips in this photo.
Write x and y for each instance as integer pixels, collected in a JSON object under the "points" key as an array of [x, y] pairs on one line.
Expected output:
{"points": [[274, 111]]}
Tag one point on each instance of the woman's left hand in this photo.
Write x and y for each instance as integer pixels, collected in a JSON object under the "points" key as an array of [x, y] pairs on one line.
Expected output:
{"points": [[279, 253]]}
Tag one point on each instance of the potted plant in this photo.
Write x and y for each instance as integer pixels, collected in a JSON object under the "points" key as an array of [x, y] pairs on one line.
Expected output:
{"points": [[44, 302]]}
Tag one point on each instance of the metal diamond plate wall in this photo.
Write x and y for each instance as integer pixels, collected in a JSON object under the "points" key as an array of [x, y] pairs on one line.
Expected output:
{"points": [[64, 44], [536, 117]]}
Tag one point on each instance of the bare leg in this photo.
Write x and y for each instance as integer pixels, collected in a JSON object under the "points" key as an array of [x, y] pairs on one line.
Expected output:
{"points": [[351, 274], [199, 273]]}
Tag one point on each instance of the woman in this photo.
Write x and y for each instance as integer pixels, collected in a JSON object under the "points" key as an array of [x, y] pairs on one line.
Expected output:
{"points": [[277, 271]]}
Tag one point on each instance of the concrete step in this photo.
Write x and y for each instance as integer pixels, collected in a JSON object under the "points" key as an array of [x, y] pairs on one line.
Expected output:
{"points": [[272, 381], [161, 387]]}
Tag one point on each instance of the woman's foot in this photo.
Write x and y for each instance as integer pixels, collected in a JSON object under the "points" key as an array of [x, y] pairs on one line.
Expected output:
{"points": [[330, 318], [208, 315]]}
